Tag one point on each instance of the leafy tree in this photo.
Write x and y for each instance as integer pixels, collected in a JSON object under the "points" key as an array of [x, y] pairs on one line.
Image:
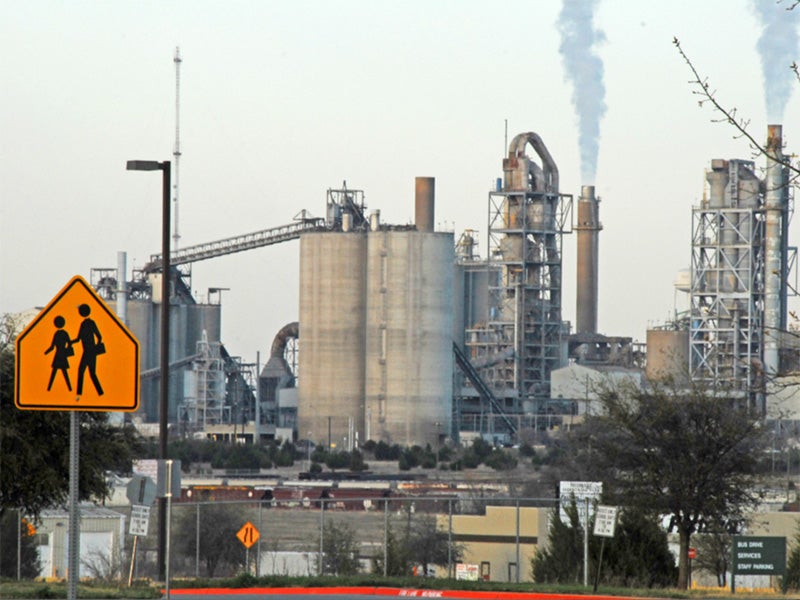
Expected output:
{"points": [[562, 560], [427, 545], [37, 442], [500, 460], [10, 529], [421, 543], [339, 549], [642, 443], [398, 563], [384, 451], [337, 460], [637, 556], [220, 552], [357, 461]]}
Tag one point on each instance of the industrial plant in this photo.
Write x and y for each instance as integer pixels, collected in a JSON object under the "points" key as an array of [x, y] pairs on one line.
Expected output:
{"points": [[407, 335]]}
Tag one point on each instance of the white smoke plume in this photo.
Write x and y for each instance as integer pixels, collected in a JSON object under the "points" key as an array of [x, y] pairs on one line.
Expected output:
{"points": [[778, 48], [584, 70]]}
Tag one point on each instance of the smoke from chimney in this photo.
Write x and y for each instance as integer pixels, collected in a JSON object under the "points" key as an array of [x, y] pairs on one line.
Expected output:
{"points": [[777, 47], [585, 70]]}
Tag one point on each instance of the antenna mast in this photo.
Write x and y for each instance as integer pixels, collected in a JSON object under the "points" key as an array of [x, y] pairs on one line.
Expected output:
{"points": [[176, 153]]}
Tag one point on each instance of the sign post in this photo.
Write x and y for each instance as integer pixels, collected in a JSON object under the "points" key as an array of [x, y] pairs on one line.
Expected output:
{"points": [[248, 535], [605, 522], [107, 376], [141, 492], [757, 556]]}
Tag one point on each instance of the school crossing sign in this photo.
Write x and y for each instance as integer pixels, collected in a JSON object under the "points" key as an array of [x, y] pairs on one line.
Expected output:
{"points": [[77, 355]]}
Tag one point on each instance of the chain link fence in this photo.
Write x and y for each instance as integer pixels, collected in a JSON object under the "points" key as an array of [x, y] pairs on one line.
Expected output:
{"points": [[288, 537]]}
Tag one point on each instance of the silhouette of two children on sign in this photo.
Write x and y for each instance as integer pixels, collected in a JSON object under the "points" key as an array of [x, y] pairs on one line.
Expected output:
{"points": [[91, 342]]}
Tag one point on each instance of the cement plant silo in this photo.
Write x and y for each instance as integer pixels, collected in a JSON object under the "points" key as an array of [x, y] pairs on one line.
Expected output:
{"points": [[376, 332], [332, 325], [668, 355], [409, 361]]}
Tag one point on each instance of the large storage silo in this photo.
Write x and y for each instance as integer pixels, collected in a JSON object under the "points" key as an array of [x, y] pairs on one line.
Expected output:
{"points": [[409, 336], [332, 325], [668, 355]]}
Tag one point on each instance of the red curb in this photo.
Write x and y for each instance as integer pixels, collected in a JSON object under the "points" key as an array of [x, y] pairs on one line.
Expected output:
{"points": [[396, 592]]}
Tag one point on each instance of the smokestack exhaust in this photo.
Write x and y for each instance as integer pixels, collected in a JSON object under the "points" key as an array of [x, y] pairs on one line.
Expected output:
{"points": [[588, 230], [424, 200], [773, 276]]}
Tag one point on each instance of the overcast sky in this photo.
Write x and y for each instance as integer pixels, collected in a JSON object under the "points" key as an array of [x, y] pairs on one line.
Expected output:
{"points": [[282, 100]]}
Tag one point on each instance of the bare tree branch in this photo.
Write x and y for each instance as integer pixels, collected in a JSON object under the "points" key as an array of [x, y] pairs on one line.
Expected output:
{"points": [[702, 88]]}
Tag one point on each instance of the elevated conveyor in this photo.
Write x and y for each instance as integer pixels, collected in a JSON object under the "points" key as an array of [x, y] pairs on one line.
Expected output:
{"points": [[480, 386], [239, 243]]}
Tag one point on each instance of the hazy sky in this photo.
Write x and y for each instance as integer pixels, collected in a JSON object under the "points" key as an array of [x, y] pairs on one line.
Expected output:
{"points": [[282, 100]]}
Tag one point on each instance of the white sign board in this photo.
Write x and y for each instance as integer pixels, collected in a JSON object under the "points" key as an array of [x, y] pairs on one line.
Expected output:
{"points": [[140, 519], [466, 572], [580, 491], [605, 521]]}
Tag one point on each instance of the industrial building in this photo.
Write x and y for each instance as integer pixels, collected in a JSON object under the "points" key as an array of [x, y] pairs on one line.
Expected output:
{"points": [[406, 335]]}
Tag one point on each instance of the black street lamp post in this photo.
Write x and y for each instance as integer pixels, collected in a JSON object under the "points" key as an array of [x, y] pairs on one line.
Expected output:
{"points": [[163, 400]]}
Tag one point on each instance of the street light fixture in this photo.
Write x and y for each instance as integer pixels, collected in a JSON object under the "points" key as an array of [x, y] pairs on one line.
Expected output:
{"points": [[163, 401]]}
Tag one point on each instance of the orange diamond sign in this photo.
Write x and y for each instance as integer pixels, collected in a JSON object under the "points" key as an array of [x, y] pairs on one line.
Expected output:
{"points": [[77, 355], [248, 534]]}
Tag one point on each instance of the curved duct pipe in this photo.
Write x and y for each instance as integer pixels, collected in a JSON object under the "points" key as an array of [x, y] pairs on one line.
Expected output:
{"points": [[290, 330], [550, 171]]}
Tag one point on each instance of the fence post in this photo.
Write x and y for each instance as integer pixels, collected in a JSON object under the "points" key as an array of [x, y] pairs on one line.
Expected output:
{"points": [[321, 566], [197, 543], [450, 538], [517, 575], [385, 537]]}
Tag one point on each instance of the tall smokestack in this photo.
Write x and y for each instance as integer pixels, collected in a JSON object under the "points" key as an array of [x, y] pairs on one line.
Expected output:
{"points": [[773, 276], [588, 230], [424, 195]]}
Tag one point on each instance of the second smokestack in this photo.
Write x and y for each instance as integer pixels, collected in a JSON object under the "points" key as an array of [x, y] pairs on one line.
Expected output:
{"points": [[424, 194], [588, 233]]}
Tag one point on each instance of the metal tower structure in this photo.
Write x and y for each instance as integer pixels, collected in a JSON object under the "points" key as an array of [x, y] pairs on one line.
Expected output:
{"points": [[176, 152], [728, 275], [207, 405], [522, 341]]}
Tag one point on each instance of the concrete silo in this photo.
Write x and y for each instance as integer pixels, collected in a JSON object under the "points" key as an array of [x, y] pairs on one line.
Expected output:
{"points": [[332, 325], [376, 331], [409, 360]]}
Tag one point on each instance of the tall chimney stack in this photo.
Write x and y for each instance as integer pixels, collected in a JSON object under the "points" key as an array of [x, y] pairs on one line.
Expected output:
{"points": [[773, 267], [424, 193], [588, 230]]}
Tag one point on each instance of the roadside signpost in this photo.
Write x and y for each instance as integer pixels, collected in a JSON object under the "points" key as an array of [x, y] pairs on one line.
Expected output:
{"points": [[248, 535], [605, 523], [76, 334], [141, 492], [583, 494], [757, 555]]}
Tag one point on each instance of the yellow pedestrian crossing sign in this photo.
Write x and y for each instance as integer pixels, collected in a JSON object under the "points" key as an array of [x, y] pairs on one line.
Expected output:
{"points": [[77, 355]]}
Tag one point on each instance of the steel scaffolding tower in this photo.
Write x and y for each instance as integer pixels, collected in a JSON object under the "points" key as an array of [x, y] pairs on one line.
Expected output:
{"points": [[522, 342], [727, 285]]}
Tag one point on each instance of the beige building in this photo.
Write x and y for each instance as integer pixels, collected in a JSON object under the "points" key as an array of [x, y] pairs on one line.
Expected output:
{"points": [[502, 542]]}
